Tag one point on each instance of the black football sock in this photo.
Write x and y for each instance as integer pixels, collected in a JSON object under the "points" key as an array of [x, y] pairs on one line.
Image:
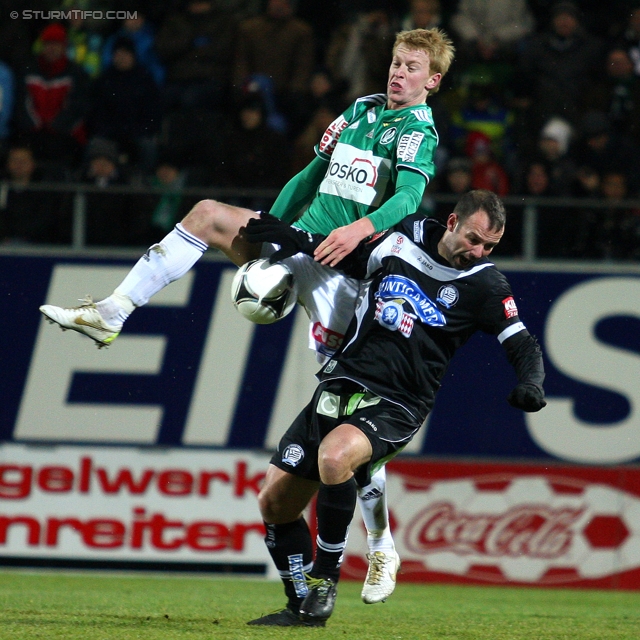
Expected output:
{"points": [[334, 509], [291, 549]]}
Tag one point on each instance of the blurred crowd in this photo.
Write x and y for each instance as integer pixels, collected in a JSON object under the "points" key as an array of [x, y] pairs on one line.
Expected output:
{"points": [[543, 99]]}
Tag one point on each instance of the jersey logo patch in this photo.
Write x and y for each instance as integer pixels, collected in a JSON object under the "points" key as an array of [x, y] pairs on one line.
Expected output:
{"points": [[332, 135], [388, 135], [448, 295], [293, 455], [331, 365], [409, 145], [392, 316], [510, 309], [394, 287], [371, 116]]}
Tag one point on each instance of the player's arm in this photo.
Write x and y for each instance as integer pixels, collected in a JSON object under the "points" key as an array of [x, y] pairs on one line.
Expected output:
{"points": [[410, 186], [299, 191], [291, 240], [525, 356], [499, 316]]}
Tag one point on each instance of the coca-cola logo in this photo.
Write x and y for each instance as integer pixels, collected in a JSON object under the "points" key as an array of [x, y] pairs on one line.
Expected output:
{"points": [[533, 530]]}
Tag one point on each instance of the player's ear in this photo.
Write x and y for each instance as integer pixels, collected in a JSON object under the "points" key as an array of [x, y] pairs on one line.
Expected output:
{"points": [[452, 222], [433, 81]]}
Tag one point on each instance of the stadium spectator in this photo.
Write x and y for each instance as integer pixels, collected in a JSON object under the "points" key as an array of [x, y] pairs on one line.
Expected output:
{"points": [[53, 100], [422, 14], [455, 181], [196, 46], [142, 34], [486, 172], [603, 150], [324, 94], [556, 226], [629, 39], [358, 54], [256, 156], [29, 216], [556, 67], [280, 47], [126, 107], [483, 112], [103, 166], [161, 210], [490, 29], [618, 94], [554, 150], [303, 146], [537, 183], [457, 178], [616, 230], [109, 216], [84, 43]]}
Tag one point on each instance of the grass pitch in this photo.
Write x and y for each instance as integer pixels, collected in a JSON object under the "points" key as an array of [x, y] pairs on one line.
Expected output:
{"points": [[123, 607]]}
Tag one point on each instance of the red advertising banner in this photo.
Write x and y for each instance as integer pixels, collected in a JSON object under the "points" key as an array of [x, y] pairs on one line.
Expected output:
{"points": [[516, 524], [106, 504], [462, 522]]}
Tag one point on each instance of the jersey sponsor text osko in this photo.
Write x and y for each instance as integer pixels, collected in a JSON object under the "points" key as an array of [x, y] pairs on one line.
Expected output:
{"points": [[356, 174]]}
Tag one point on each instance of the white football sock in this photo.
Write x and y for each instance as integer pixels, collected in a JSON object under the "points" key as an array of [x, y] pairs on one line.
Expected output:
{"points": [[163, 263], [115, 309], [373, 506]]}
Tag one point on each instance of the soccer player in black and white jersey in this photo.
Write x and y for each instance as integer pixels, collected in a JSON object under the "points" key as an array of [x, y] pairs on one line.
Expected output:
{"points": [[432, 286]]}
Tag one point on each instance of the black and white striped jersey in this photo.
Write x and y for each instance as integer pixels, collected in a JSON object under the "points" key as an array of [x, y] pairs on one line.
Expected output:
{"points": [[418, 311]]}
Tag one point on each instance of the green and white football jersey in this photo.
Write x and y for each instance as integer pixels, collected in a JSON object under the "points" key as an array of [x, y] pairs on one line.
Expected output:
{"points": [[366, 147]]}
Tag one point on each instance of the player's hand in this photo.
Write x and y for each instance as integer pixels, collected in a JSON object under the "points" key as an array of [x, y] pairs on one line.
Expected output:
{"points": [[342, 241], [528, 397], [268, 228]]}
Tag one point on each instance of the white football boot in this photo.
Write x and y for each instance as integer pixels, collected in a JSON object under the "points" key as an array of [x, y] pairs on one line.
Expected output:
{"points": [[84, 319], [381, 576]]}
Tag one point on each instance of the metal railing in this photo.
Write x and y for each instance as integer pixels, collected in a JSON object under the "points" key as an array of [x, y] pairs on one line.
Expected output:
{"points": [[524, 209]]}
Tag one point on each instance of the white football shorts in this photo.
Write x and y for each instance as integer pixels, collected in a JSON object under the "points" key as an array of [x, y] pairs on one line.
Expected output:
{"points": [[329, 298]]}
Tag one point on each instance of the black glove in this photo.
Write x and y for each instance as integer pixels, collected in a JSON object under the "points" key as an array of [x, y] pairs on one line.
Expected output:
{"points": [[268, 228], [528, 397]]}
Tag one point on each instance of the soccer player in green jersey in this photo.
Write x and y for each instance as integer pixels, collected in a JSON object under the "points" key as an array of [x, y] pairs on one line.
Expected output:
{"points": [[372, 166]]}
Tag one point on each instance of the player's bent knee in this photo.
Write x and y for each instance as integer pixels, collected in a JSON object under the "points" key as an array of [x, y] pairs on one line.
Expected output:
{"points": [[334, 466], [204, 211], [218, 225]]}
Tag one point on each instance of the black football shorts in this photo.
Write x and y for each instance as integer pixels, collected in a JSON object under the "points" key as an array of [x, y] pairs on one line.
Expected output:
{"points": [[387, 425]]}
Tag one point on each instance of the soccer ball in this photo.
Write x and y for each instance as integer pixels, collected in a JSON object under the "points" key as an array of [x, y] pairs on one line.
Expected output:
{"points": [[263, 293]]}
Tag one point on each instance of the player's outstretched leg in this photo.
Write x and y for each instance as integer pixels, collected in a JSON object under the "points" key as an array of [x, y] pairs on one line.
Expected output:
{"points": [[208, 224], [384, 561], [163, 263]]}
